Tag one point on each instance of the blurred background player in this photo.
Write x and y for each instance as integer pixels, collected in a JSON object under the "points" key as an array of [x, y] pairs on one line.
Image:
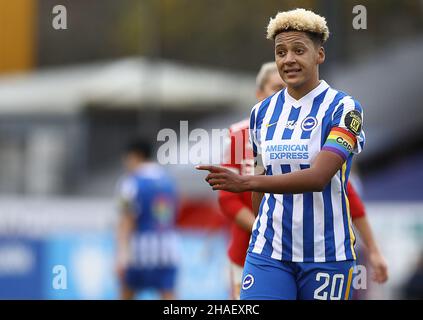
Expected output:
{"points": [[146, 239], [237, 206]]}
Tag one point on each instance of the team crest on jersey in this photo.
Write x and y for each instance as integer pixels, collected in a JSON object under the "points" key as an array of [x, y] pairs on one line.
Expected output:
{"points": [[353, 122], [309, 123], [247, 282]]}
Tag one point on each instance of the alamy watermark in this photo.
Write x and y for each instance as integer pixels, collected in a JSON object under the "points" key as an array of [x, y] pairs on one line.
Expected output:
{"points": [[360, 19], [59, 21], [60, 277], [60, 18], [198, 146]]}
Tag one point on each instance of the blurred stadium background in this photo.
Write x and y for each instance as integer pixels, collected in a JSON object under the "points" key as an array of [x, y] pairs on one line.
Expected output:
{"points": [[70, 99]]}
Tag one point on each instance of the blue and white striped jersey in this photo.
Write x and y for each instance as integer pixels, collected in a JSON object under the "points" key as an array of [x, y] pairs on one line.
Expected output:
{"points": [[151, 195], [288, 134]]}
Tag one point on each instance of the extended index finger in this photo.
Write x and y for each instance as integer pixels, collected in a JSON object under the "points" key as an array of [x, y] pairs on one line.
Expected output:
{"points": [[213, 169]]}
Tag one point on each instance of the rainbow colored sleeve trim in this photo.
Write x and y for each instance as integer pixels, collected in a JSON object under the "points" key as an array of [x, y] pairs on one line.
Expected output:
{"points": [[341, 142]]}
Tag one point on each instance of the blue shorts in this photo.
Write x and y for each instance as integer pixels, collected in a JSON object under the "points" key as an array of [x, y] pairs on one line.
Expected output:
{"points": [[269, 279], [153, 278]]}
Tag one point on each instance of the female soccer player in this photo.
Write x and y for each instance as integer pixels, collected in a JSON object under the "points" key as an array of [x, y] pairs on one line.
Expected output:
{"points": [[304, 137]]}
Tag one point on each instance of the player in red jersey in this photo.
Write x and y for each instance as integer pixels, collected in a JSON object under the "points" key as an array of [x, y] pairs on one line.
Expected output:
{"points": [[238, 207]]}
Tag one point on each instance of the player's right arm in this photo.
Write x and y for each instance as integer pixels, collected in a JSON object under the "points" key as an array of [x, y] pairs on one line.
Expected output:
{"points": [[346, 137]]}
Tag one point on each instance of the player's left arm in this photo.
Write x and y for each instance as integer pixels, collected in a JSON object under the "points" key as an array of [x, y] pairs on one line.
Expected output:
{"points": [[313, 179], [345, 137]]}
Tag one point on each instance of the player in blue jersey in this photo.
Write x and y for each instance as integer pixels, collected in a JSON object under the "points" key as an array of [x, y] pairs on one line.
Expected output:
{"points": [[146, 240], [303, 138]]}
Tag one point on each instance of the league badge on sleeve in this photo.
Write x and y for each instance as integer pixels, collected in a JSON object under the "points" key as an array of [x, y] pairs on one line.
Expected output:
{"points": [[353, 122]]}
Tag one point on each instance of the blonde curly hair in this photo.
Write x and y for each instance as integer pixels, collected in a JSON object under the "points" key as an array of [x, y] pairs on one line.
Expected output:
{"points": [[298, 20]]}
